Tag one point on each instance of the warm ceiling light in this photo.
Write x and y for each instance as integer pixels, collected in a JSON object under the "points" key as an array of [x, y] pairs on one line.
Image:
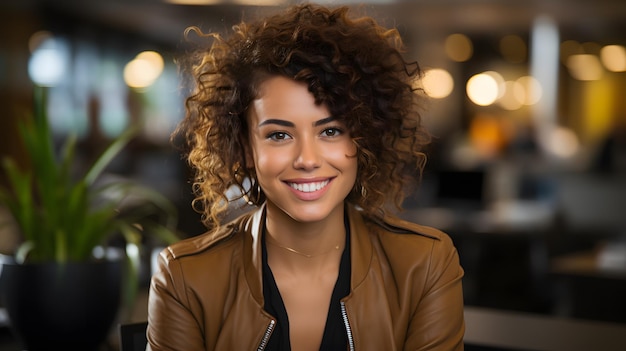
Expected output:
{"points": [[563, 142], [459, 47], [614, 58], [585, 67], [569, 48], [437, 83], [513, 48], [499, 81], [154, 58], [482, 89], [528, 90], [143, 70], [509, 101], [591, 47]]}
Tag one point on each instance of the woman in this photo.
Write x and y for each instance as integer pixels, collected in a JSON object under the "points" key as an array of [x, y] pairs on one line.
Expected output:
{"points": [[312, 115]]}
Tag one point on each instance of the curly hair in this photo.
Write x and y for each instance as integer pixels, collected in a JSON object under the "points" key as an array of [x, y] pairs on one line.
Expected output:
{"points": [[352, 65]]}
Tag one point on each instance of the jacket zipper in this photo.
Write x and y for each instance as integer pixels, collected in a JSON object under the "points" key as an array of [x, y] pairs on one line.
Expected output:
{"points": [[344, 314], [266, 335]]}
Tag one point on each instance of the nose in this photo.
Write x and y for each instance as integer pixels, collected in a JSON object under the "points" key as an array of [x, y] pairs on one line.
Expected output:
{"points": [[307, 156]]}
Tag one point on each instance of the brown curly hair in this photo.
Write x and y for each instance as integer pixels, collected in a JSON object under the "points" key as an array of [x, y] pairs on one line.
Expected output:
{"points": [[353, 65]]}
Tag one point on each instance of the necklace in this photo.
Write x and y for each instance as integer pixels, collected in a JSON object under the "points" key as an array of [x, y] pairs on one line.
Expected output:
{"points": [[273, 242]]}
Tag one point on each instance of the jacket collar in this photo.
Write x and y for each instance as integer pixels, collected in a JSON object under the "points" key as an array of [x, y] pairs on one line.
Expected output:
{"points": [[360, 246], [253, 230], [252, 226]]}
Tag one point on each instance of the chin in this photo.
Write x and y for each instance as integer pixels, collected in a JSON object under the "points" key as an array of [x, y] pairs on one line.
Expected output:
{"points": [[308, 213]]}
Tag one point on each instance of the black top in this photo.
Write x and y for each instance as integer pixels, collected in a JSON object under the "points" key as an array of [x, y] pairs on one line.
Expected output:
{"points": [[335, 335]]}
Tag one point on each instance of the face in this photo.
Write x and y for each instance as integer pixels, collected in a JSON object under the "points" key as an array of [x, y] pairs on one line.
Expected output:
{"points": [[305, 160]]}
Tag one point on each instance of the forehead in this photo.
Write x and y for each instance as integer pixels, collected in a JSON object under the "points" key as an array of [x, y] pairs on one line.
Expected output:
{"points": [[285, 98]]}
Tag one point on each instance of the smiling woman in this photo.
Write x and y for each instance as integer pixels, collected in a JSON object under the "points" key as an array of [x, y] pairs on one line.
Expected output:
{"points": [[304, 160], [312, 115]]}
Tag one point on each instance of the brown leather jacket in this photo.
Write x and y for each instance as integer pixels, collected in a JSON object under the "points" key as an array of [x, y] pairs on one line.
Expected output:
{"points": [[405, 289]]}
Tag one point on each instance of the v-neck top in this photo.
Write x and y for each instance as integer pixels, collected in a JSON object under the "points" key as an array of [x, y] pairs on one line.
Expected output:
{"points": [[335, 336]]}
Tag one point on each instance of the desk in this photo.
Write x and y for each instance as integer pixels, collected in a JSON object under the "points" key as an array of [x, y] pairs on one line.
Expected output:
{"points": [[591, 284], [607, 261], [502, 217], [524, 331], [490, 327]]}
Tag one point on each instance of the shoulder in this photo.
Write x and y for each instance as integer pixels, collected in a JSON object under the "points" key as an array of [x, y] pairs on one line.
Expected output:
{"points": [[411, 247], [401, 236], [206, 242], [394, 225]]}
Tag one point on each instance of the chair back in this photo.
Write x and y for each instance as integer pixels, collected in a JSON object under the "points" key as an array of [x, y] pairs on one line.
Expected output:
{"points": [[132, 336]]}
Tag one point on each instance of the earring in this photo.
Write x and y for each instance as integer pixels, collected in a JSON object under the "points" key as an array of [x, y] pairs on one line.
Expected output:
{"points": [[249, 202], [253, 196], [258, 194]]}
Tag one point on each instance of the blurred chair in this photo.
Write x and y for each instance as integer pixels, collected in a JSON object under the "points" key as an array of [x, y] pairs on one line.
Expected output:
{"points": [[133, 336]]}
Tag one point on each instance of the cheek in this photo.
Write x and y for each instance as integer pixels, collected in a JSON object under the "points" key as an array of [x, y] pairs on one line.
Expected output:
{"points": [[343, 157], [345, 150], [267, 160]]}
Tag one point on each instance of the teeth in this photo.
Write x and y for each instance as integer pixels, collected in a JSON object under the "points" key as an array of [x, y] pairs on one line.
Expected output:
{"points": [[309, 187]]}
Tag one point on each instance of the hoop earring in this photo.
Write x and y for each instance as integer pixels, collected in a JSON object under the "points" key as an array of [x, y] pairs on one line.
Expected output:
{"points": [[254, 195]]}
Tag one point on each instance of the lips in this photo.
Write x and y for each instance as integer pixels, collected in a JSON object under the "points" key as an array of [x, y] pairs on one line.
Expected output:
{"points": [[309, 187]]}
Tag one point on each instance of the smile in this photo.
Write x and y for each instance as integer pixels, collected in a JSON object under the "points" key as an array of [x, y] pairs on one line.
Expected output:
{"points": [[309, 187]]}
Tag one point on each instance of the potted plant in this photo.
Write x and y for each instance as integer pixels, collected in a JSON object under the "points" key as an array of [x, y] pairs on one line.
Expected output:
{"points": [[63, 287]]}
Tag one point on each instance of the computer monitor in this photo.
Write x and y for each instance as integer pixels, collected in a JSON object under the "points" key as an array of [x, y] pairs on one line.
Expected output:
{"points": [[460, 189]]}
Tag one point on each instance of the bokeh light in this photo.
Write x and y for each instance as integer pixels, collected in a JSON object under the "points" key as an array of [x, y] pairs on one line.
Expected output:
{"points": [[569, 48], [482, 89], [613, 57], [509, 100], [459, 47], [563, 142], [528, 90], [513, 48], [591, 47], [437, 83], [499, 81], [142, 71], [585, 67], [37, 39], [49, 60]]}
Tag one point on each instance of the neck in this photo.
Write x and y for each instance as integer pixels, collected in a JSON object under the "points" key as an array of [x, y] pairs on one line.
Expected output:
{"points": [[323, 252], [298, 244], [285, 229], [305, 258]]}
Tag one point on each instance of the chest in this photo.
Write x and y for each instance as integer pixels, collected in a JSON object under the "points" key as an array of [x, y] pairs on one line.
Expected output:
{"points": [[307, 302]]}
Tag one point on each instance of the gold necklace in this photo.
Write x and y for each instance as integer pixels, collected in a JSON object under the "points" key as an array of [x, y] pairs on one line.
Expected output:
{"points": [[273, 241]]}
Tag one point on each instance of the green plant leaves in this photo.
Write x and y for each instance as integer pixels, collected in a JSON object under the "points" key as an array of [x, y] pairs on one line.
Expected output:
{"points": [[62, 217], [109, 154]]}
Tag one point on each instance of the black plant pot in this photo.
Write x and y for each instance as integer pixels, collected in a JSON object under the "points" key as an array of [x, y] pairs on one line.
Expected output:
{"points": [[55, 306]]}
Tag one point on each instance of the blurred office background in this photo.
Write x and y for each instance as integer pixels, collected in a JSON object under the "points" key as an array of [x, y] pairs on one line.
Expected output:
{"points": [[527, 107]]}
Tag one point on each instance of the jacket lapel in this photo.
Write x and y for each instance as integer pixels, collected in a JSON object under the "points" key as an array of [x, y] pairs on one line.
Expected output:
{"points": [[253, 230]]}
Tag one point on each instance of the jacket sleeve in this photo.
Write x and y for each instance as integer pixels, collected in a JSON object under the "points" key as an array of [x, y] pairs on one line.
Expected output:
{"points": [[438, 322], [171, 324]]}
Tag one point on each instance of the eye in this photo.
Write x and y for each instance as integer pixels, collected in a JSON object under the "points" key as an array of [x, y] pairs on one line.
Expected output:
{"points": [[278, 136], [332, 132]]}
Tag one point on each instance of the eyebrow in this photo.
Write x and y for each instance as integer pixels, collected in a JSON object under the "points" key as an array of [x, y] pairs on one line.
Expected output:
{"points": [[282, 122]]}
